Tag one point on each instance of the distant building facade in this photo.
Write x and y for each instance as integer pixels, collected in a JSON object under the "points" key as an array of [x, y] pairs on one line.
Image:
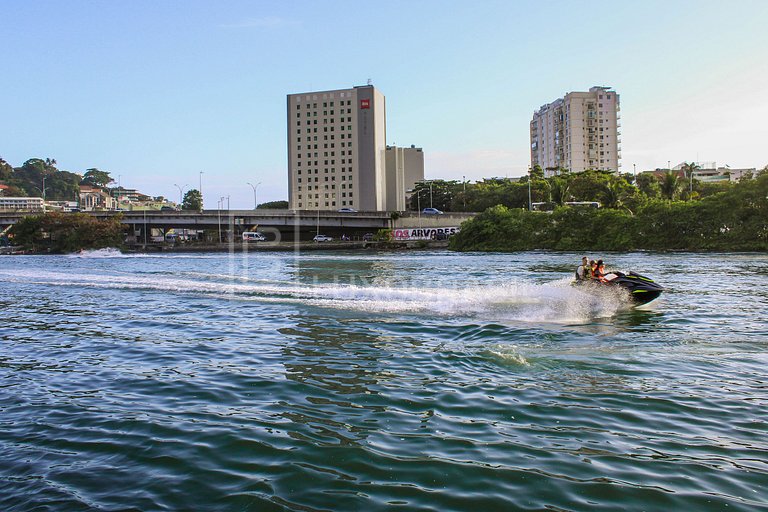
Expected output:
{"points": [[336, 149], [95, 198], [709, 172], [404, 168], [578, 132], [21, 203]]}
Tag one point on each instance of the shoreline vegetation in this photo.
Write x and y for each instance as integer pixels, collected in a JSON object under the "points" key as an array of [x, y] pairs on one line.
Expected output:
{"points": [[733, 219], [665, 213]]}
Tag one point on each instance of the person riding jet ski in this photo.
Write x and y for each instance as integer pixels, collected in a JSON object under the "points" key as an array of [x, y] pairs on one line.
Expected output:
{"points": [[642, 290]]}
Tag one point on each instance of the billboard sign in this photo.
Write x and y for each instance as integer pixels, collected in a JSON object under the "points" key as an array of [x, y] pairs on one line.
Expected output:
{"points": [[424, 233]]}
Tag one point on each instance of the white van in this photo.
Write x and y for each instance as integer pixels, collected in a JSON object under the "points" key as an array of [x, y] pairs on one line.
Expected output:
{"points": [[253, 236]]}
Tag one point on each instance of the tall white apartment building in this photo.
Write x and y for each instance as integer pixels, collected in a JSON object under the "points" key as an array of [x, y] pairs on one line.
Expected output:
{"points": [[578, 132], [336, 150]]}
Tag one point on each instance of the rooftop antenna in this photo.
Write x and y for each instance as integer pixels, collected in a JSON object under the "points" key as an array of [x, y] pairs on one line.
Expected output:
{"points": [[369, 81]]}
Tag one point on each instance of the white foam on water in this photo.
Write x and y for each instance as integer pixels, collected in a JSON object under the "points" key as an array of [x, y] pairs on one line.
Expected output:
{"points": [[554, 302], [98, 253]]}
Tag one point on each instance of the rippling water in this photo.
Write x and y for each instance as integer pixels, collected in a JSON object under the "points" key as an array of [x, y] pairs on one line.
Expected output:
{"points": [[349, 381]]}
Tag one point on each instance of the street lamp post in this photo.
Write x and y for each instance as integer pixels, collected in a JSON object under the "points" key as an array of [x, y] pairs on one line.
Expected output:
{"points": [[430, 195], [181, 192], [254, 187], [418, 205], [219, 206], [690, 189], [530, 205], [464, 182], [200, 189]]}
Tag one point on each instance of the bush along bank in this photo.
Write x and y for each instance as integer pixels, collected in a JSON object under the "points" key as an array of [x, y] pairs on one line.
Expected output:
{"points": [[66, 232], [733, 220]]}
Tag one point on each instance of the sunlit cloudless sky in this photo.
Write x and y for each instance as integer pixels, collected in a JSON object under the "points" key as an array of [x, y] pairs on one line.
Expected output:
{"points": [[157, 91]]}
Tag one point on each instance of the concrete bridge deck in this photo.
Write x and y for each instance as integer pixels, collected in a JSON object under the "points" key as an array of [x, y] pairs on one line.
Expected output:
{"points": [[298, 224]]}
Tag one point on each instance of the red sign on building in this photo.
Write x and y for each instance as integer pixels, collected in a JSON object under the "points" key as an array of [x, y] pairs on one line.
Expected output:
{"points": [[365, 104]]}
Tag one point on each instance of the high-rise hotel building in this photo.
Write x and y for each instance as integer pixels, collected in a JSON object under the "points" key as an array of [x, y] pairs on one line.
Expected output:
{"points": [[336, 150], [578, 132]]}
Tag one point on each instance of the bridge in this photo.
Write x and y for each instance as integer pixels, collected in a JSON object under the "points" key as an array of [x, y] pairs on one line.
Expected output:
{"points": [[287, 224]]}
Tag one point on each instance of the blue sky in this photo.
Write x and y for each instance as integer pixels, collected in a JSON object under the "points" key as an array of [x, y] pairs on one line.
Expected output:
{"points": [[156, 91]]}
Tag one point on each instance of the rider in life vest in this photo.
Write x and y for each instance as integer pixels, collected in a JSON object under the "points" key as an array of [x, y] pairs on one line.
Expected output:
{"points": [[599, 272], [583, 272]]}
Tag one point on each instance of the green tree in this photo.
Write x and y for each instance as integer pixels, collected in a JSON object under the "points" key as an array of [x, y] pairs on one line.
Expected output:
{"points": [[97, 178], [434, 193], [67, 232], [559, 190], [735, 219], [648, 184], [273, 205], [59, 185], [670, 185], [193, 201], [689, 169], [6, 170]]}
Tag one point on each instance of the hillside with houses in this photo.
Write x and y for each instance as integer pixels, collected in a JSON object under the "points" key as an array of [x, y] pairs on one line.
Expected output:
{"points": [[39, 184]]}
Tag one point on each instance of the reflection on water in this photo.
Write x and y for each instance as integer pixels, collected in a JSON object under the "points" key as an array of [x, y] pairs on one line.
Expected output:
{"points": [[345, 381]]}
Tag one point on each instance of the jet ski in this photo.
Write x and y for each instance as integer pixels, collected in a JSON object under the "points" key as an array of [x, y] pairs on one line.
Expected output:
{"points": [[642, 290]]}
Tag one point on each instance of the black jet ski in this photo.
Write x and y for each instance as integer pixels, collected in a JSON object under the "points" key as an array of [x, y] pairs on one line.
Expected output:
{"points": [[642, 290]]}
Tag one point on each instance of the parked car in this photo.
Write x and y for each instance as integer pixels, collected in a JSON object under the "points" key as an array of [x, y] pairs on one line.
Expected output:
{"points": [[167, 209], [322, 238], [431, 211], [347, 210], [368, 237]]}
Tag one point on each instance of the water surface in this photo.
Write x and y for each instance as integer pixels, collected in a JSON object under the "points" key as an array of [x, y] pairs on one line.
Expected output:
{"points": [[348, 381]]}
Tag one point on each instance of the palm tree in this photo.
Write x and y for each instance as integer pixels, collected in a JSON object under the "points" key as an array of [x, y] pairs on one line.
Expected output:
{"points": [[559, 190], [689, 169], [670, 185], [613, 193]]}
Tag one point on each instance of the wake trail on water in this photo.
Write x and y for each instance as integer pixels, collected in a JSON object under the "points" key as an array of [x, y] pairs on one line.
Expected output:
{"points": [[552, 302]]}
